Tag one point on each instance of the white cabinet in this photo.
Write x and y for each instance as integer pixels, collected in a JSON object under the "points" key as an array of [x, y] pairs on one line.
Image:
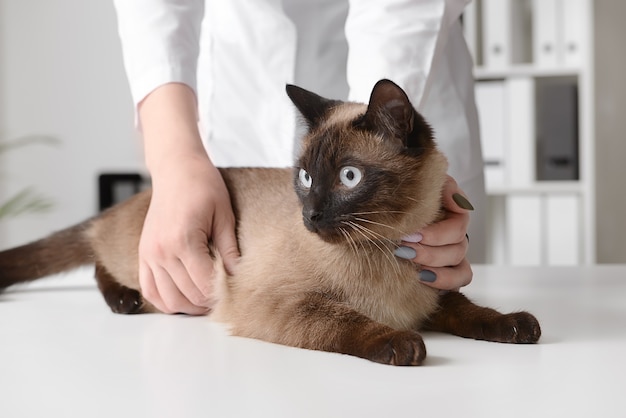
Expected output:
{"points": [[534, 84]]}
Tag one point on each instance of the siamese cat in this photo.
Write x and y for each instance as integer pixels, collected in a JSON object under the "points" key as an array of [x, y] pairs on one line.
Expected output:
{"points": [[317, 268]]}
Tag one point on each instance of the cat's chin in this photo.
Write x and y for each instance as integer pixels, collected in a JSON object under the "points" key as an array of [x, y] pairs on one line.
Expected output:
{"points": [[331, 238], [329, 235]]}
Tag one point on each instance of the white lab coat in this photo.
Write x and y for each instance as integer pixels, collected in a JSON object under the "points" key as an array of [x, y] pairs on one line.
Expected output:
{"points": [[237, 55]]}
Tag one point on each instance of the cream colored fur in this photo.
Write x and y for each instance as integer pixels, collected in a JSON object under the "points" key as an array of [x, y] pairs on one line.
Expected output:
{"points": [[281, 260]]}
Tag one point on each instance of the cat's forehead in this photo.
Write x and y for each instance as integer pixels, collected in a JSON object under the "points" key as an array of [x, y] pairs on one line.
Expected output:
{"points": [[346, 112], [336, 140], [337, 126]]}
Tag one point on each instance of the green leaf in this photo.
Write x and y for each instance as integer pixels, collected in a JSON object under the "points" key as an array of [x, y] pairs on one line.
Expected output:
{"points": [[25, 140], [26, 201]]}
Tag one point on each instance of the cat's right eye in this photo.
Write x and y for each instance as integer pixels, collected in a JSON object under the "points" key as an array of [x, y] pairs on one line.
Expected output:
{"points": [[350, 176], [305, 178]]}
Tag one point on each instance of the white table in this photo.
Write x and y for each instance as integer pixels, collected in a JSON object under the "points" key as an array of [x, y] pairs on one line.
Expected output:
{"points": [[64, 354]]}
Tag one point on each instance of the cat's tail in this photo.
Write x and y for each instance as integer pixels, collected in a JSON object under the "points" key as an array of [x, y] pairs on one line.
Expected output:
{"points": [[61, 251]]}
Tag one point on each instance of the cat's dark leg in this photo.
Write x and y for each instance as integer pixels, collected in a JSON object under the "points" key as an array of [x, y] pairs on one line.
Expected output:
{"points": [[321, 322], [459, 316], [120, 299]]}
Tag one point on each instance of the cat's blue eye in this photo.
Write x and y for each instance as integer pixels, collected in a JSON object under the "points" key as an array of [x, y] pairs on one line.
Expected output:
{"points": [[350, 176], [305, 178]]}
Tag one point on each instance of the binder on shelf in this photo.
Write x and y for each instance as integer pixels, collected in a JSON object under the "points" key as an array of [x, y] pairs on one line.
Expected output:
{"points": [[506, 32], [496, 34], [491, 104], [557, 130], [563, 229], [573, 15], [524, 229], [520, 105], [546, 32]]}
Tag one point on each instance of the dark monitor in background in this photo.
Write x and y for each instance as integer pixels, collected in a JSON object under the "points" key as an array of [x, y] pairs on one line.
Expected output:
{"points": [[117, 187]]}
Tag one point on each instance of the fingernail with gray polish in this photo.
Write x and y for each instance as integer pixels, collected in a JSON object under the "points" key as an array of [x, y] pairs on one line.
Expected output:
{"points": [[407, 253], [462, 201], [427, 276]]}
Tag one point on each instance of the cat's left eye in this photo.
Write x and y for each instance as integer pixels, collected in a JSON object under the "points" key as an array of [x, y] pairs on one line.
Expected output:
{"points": [[350, 176], [305, 178]]}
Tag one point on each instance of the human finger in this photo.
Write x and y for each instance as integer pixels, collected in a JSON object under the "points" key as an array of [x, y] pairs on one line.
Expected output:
{"points": [[447, 278], [171, 295], [198, 289], [149, 289], [450, 230], [225, 241], [454, 198], [437, 256]]}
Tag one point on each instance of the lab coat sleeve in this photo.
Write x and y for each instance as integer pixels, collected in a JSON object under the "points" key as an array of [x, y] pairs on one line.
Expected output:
{"points": [[397, 39], [160, 42]]}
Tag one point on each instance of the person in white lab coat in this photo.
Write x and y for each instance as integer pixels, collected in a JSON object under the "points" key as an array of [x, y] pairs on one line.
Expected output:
{"points": [[225, 64]]}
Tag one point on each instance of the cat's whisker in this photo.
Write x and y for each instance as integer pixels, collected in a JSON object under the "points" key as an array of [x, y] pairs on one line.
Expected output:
{"points": [[377, 235], [381, 239], [364, 231], [350, 241], [413, 199], [381, 224], [379, 212], [368, 241], [356, 246], [380, 236], [352, 226]]}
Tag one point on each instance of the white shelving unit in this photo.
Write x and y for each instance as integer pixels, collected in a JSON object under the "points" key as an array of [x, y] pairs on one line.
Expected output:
{"points": [[534, 74]]}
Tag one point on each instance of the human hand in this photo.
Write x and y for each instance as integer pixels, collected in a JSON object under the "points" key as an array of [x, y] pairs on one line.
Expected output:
{"points": [[441, 248], [190, 205]]}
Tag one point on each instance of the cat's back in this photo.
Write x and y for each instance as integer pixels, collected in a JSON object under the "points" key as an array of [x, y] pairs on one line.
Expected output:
{"points": [[259, 195], [249, 184], [114, 236]]}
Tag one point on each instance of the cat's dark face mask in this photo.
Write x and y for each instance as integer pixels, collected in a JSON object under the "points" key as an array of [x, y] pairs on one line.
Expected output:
{"points": [[350, 166]]}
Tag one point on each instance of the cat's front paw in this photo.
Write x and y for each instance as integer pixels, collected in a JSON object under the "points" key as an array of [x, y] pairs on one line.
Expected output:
{"points": [[398, 348], [516, 328], [123, 300]]}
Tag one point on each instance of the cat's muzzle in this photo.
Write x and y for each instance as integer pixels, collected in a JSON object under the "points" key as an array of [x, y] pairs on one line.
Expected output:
{"points": [[327, 230]]}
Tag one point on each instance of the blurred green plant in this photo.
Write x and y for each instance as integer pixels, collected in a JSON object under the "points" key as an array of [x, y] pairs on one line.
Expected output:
{"points": [[27, 200]]}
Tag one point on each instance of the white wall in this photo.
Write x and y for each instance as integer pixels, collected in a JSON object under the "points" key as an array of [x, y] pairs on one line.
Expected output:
{"points": [[61, 74], [610, 130]]}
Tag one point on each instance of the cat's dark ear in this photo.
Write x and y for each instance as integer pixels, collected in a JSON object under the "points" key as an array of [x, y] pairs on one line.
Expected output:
{"points": [[391, 113], [312, 107]]}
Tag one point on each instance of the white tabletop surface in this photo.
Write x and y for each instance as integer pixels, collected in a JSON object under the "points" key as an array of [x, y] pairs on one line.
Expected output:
{"points": [[64, 354]]}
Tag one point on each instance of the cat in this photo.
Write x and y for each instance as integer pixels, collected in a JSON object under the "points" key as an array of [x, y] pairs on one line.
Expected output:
{"points": [[317, 268]]}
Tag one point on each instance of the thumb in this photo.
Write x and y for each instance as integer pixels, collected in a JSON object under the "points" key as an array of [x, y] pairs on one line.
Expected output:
{"points": [[454, 199], [225, 241]]}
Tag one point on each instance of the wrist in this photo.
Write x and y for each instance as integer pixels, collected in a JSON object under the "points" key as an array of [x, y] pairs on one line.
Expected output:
{"points": [[165, 153], [170, 129], [180, 163]]}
